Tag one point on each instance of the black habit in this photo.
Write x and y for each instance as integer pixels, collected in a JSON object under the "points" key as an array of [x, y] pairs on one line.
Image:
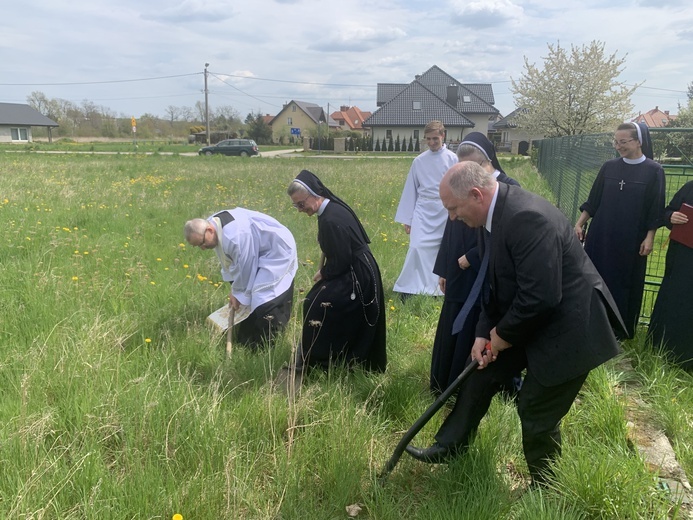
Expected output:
{"points": [[625, 202], [672, 316], [344, 313]]}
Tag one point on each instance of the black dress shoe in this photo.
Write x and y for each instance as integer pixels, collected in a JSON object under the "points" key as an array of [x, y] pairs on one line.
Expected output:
{"points": [[435, 454]]}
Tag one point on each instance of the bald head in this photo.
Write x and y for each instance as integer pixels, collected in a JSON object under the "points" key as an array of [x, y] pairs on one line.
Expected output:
{"points": [[466, 191], [200, 233]]}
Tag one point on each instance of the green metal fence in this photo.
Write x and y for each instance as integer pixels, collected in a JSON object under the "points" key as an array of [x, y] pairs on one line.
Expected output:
{"points": [[570, 165]]}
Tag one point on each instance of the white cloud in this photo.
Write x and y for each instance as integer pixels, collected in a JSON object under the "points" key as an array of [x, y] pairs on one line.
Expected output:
{"points": [[486, 13]]}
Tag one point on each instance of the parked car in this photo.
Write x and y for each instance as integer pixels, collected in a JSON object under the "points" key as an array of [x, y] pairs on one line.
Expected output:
{"points": [[242, 147]]}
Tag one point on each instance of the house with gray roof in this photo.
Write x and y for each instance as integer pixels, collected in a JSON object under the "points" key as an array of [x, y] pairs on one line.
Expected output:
{"points": [[511, 136], [16, 121], [404, 109], [298, 119]]}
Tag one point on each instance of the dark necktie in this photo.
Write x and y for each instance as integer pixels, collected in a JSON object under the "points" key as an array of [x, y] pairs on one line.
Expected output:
{"points": [[476, 288]]}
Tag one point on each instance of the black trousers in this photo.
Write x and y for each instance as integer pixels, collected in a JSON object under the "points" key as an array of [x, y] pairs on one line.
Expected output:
{"points": [[270, 317], [540, 408]]}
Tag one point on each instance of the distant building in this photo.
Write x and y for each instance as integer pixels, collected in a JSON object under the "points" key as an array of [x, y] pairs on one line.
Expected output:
{"points": [[351, 118], [298, 119], [16, 121], [404, 109], [509, 136], [654, 118]]}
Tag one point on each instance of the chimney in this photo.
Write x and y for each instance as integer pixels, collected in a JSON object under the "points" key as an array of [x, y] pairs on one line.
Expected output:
{"points": [[417, 77], [666, 112], [343, 108], [451, 95]]}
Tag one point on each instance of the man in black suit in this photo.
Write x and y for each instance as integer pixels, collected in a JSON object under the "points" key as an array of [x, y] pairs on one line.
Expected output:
{"points": [[548, 311]]}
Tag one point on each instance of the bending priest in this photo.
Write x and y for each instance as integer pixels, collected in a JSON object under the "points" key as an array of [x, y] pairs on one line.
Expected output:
{"points": [[258, 255]]}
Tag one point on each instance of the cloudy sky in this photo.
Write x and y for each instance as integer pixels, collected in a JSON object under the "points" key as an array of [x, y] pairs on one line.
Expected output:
{"points": [[141, 56]]}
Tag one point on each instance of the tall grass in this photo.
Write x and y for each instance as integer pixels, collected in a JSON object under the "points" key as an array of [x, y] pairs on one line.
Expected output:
{"points": [[118, 402]]}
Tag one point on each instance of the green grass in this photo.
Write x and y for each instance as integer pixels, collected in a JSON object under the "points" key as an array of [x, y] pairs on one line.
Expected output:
{"points": [[118, 402]]}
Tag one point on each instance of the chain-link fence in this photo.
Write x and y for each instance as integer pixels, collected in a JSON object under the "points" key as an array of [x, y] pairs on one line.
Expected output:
{"points": [[570, 166]]}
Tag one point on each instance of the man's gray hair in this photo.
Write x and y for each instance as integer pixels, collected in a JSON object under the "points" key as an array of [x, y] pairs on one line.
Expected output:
{"points": [[194, 227], [296, 187], [466, 175]]}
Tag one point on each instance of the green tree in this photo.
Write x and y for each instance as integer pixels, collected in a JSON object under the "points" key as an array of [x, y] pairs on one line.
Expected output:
{"points": [[257, 129], [575, 92]]}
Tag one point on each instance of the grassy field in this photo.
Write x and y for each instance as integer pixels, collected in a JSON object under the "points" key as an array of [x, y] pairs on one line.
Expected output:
{"points": [[119, 403]]}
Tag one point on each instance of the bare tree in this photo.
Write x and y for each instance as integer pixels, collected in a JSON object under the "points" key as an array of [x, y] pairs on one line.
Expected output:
{"points": [[173, 114], [576, 92]]}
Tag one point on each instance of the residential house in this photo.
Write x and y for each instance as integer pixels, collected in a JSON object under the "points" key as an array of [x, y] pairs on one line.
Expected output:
{"points": [[298, 119], [16, 121], [405, 109], [351, 118], [654, 118], [508, 136]]}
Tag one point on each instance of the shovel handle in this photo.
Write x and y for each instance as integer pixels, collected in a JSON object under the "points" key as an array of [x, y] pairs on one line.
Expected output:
{"points": [[229, 331]]}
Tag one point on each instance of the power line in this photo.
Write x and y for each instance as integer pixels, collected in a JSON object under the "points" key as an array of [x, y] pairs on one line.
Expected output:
{"points": [[96, 82]]}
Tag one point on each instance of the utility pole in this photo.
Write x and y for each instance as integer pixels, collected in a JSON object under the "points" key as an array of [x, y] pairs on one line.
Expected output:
{"points": [[206, 105]]}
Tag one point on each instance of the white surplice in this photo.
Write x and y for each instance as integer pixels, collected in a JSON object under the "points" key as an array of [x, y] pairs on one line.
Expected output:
{"points": [[257, 254], [421, 208]]}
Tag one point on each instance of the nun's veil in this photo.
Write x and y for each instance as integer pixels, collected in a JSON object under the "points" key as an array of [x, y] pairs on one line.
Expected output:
{"points": [[481, 142], [316, 188], [645, 139]]}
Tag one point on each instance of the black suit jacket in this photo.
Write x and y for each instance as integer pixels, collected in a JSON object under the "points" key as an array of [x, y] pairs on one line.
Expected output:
{"points": [[546, 295]]}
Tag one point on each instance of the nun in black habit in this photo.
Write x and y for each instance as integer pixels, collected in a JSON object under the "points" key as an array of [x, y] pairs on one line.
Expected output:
{"points": [[626, 205], [344, 312], [670, 325], [457, 266]]}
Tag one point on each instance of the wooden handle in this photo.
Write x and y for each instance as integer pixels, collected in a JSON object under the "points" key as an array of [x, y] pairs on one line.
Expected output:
{"points": [[229, 331]]}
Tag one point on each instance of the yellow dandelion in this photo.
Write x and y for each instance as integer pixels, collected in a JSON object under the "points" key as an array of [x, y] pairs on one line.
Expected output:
{"points": [[152, 283], [188, 276], [158, 259], [185, 266], [177, 516], [86, 253], [181, 244], [28, 238], [392, 307], [76, 252], [75, 278], [147, 340]]}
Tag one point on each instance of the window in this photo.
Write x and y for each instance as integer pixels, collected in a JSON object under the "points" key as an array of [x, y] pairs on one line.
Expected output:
{"points": [[293, 108], [416, 135], [388, 134], [416, 105], [19, 134], [289, 121], [467, 99]]}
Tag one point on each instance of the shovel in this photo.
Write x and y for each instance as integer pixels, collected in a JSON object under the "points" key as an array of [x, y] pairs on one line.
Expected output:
{"points": [[425, 417]]}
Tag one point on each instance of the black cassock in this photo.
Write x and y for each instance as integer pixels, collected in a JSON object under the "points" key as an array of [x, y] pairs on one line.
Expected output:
{"points": [[344, 313], [451, 351], [673, 311], [626, 200]]}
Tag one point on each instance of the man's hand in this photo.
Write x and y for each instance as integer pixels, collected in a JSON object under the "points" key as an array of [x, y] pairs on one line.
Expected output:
{"points": [[407, 229], [497, 343], [317, 277], [481, 354], [233, 302], [441, 284]]}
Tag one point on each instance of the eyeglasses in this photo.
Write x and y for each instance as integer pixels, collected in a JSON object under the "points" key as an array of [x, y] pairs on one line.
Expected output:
{"points": [[204, 239], [301, 204], [621, 143]]}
